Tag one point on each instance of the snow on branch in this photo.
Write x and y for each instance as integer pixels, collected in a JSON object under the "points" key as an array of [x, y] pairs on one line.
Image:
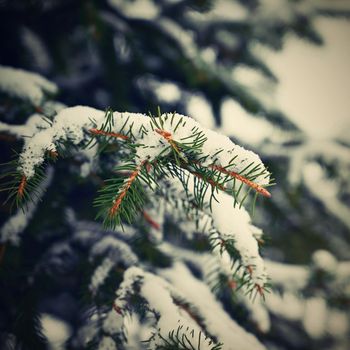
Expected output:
{"points": [[154, 134], [206, 168], [228, 227], [114, 252], [184, 311], [156, 146], [25, 85], [174, 321], [214, 318]]}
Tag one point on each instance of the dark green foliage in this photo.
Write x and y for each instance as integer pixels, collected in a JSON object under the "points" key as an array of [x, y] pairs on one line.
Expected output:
{"points": [[20, 190]]}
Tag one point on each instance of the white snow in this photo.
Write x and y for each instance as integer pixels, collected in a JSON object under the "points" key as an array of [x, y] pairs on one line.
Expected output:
{"points": [[141, 9], [290, 277], [169, 316], [326, 191], [223, 11], [337, 323], [288, 306], [33, 124], [37, 50], [25, 85], [223, 220], [166, 91], [234, 223], [55, 330], [315, 316], [70, 123], [216, 320], [113, 323], [116, 249], [198, 108], [325, 261], [107, 343], [100, 274]]}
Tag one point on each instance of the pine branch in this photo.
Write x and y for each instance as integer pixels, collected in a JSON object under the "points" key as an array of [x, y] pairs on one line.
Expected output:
{"points": [[243, 179], [122, 199]]}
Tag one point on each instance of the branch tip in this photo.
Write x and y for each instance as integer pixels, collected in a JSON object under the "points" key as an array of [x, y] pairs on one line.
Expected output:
{"points": [[253, 185], [22, 186], [117, 202]]}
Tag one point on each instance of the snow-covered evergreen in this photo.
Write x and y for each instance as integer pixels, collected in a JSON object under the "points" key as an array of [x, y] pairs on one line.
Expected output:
{"points": [[139, 230]]}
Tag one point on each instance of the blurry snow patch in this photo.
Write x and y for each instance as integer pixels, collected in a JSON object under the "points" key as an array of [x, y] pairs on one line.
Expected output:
{"points": [[209, 55], [223, 10], [288, 305], [338, 324], [142, 9], [256, 83], [258, 313], [38, 53], [324, 261], [169, 316], [34, 123], [267, 8], [107, 343], [136, 331], [199, 108], [228, 40], [121, 47], [290, 277], [167, 92], [55, 330], [314, 148], [51, 108], [25, 85], [282, 12], [113, 323], [237, 122], [164, 91], [184, 38], [217, 322], [89, 155], [325, 190], [100, 274], [315, 317]]}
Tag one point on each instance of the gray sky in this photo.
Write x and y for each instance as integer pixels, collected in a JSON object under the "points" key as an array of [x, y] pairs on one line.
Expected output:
{"points": [[314, 88]]}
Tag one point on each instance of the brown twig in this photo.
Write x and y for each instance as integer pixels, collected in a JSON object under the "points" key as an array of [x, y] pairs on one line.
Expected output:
{"points": [[167, 136], [125, 189], [153, 223], [210, 181], [243, 179], [22, 186], [106, 133]]}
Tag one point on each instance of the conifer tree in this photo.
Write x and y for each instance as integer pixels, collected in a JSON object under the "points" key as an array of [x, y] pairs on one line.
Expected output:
{"points": [[134, 229]]}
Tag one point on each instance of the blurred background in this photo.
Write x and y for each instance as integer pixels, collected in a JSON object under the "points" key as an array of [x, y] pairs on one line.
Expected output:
{"points": [[273, 75]]}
